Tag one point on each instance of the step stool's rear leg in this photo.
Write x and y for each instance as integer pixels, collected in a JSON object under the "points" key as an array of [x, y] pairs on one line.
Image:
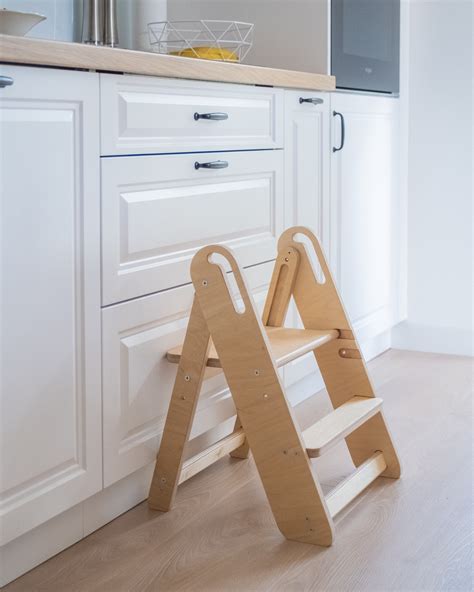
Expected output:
{"points": [[341, 364], [181, 412], [345, 376], [292, 489]]}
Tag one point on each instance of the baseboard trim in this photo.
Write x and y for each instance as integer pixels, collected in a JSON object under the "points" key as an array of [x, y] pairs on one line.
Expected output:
{"points": [[438, 340]]}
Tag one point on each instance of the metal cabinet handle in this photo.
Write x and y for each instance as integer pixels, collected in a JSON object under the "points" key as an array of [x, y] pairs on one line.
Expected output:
{"points": [[212, 116], [5, 81], [343, 131], [312, 100], [216, 164]]}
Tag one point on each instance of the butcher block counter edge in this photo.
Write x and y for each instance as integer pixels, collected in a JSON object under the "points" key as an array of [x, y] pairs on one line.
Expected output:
{"points": [[41, 52]]}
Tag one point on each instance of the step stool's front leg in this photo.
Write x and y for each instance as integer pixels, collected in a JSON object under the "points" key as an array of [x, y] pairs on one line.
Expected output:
{"points": [[181, 412], [292, 489]]}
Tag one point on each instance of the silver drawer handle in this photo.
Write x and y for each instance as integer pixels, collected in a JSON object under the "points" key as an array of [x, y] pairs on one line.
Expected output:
{"points": [[5, 81], [216, 164], [312, 100], [212, 116]]}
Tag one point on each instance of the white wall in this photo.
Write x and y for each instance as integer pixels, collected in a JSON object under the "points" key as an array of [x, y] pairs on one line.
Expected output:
{"points": [[439, 179], [64, 19], [289, 34], [59, 23]]}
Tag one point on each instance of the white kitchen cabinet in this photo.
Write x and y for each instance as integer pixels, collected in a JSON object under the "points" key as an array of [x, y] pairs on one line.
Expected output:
{"points": [[138, 380], [307, 161], [157, 211], [144, 115], [307, 177], [364, 240], [50, 425]]}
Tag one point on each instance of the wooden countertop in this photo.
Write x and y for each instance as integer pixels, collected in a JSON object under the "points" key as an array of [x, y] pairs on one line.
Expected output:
{"points": [[40, 52]]}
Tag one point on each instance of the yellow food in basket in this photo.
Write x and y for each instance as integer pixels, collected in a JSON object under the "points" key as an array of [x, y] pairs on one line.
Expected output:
{"points": [[208, 53]]}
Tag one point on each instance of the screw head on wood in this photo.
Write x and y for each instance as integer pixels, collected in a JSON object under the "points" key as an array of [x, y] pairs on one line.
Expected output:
{"points": [[257, 372], [265, 396], [204, 283], [163, 479], [187, 378]]}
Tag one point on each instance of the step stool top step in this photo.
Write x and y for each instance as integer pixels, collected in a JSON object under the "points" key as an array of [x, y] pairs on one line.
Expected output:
{"points": [[338, 424], [286, 345]]}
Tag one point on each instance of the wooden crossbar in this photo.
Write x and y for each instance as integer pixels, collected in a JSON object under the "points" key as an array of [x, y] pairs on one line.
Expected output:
{"points": [[213, 453], [340, 423], [354, 484]]}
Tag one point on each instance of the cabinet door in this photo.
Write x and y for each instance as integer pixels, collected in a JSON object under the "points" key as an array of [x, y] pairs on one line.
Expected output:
{"points": [[50, 295], [157, 211], [306, 184], [307, 161], [138, 380], [364, 188]]}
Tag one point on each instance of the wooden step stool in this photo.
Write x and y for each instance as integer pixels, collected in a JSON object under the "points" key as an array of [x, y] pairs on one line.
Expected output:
{"points": [[249, 351]]}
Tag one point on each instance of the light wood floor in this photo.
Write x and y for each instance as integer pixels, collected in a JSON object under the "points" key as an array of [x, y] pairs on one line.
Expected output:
{"points": [[408, 535]]}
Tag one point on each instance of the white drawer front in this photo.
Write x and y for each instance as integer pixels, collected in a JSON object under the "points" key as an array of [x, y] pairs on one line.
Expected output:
{"points": [[138, 380], [142, 115], [157, 211]]}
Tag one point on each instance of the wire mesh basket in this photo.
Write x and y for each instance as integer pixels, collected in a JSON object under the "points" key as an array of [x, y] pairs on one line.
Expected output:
{"points": [[228, 41]]}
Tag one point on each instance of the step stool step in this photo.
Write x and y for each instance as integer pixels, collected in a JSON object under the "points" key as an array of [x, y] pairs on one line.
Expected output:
{"points": [[338, 424], [286, 345], [354, 484]]}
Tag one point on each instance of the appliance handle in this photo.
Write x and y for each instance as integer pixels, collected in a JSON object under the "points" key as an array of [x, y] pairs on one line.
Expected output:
{"points": [[343, 131]]}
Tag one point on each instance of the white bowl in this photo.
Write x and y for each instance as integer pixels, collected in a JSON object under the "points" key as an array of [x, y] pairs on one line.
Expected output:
{"points": [[18, 23]]}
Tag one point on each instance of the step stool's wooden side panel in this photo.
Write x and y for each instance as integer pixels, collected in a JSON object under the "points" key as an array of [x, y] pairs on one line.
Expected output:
{"points": [[342, 366], [374, 435], [294, 494], [344, 377], [187, 386]]}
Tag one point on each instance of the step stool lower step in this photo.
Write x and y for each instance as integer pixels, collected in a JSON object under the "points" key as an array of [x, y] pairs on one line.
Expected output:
{"points": [[286, 345], [354, 484], [338, 424]]}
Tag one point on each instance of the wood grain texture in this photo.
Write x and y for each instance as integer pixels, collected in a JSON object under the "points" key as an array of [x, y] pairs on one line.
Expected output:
{"points": [[344, 493], [249, 353], [286, 345], [241, 341], [181, 412], [320, 307], [40, 52], [408, 535], [338, 424], [207, 457]]}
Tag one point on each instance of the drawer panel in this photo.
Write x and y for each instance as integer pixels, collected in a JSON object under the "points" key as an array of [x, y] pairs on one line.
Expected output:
{"points": [[142, 115], [138, 380], [157, 211]]}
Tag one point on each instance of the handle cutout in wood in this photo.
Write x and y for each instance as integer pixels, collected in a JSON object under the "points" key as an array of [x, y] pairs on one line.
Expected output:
{"points": [[230, 281], [313, 258]]}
